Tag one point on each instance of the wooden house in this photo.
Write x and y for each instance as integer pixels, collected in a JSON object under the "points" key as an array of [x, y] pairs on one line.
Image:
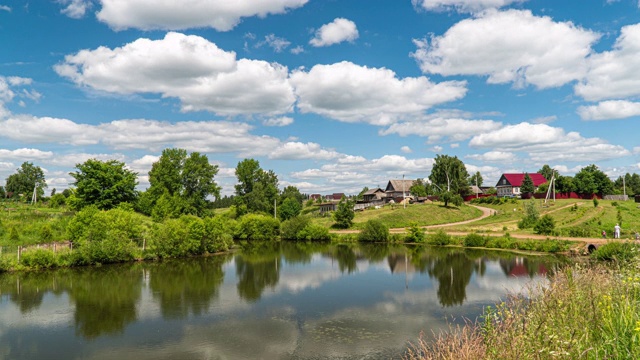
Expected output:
{"points": [[510, 184]]}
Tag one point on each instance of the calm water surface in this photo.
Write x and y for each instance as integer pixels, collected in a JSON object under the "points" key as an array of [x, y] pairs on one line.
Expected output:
{"points": [[284, 301]]}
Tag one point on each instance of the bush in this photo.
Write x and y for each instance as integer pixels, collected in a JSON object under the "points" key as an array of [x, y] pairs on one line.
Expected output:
{"points": [[474, 240], [545, 225], [38, 258], [218, 234], [615, 250], [374, 230], [531, 215], [176, 238], [314, 232], [415, 234], [595, 202], [105, 236], [439, 238], [290, 228], [505, 242], [258, 227]]}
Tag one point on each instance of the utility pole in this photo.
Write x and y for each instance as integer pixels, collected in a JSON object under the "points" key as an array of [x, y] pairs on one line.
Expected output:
{"points": [[404, 198], [477, 188]]}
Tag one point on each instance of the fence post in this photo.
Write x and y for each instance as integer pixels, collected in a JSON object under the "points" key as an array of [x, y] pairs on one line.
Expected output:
{"points": [[54, 248], [144, 243], [19, 251]]}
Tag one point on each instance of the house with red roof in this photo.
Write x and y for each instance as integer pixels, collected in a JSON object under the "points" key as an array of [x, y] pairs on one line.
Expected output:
{"points": [[509, 184]]}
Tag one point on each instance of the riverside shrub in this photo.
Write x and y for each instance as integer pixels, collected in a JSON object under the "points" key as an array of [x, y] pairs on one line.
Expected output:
{"points": [[374, 230], [415, 234], [615, 250], [440, 238], [258, 227], [105, 236], [290, 229], [313, 232], [38, 258], [474, 240]]}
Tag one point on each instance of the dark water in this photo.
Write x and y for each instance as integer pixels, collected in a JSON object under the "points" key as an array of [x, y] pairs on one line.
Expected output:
{"points": [[288, 301]]}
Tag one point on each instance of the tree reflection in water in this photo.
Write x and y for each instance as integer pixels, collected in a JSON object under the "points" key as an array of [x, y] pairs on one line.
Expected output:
{"points": [[257, 267], [200, 280]]}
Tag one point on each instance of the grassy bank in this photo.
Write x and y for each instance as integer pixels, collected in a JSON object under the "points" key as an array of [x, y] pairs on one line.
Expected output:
{"points": [[585, 312]]}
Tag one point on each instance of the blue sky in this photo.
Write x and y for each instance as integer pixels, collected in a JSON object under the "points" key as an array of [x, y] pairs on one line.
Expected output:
{"points": [[333, 95]]}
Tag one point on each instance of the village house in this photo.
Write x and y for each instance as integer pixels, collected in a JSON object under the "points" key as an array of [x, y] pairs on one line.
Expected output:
{"points": [[372, 195], [510, 184], [397, 190]]}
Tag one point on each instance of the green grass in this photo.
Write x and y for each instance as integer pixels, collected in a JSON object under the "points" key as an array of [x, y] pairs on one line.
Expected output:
{"points": [[22, 224], [590, 312], [399, 217]]}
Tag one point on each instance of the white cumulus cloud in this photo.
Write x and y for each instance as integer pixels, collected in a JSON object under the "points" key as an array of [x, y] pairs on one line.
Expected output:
{"points": [[335, 32], [494, 156], [614, 74], [439, 129], [512, 46], [188, 67], [186, 14], [611, 109], [75, 9], [354, 93], [544, 143], [462, 5]]}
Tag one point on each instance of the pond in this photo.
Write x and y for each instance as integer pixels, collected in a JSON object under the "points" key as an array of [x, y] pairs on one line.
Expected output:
{"points": [[264, 301]]}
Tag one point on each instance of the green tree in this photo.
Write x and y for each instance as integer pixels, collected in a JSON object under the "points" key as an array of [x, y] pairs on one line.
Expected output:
{"points": [[449, 197], [293, 193], [565, 184], [2, 193], [548, 172], [418, 188], [527, 184], [290, 207], [26, 178], [591, 180], [176, 175], [104, 184], [450, 174], [344, 215], [257, 189], [476, 179]]}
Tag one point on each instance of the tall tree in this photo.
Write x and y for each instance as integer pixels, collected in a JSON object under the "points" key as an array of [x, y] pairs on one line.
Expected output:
{"points": [[292, 192], [184, 182], [476, 179], [26, 178], [564, 184], [548, 172], [257, 189], [104, 184], [591, 180], [450, 174], [344, 214], [527, 184], [2, 193]]}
